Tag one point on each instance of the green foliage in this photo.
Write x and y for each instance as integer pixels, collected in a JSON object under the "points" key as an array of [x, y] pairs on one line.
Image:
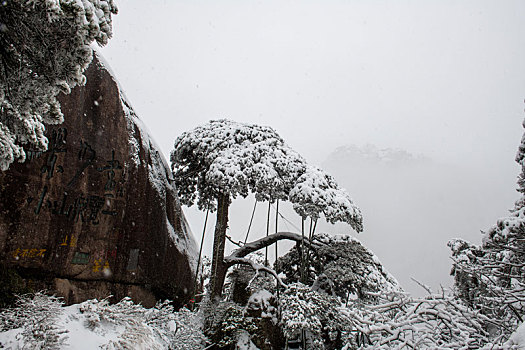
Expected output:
{"points": [[11, 284]]}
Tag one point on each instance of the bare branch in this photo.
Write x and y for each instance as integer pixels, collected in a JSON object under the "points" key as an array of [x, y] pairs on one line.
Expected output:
{"points": [[267, 241], [230, 260], [238, 244], [425, 287]]}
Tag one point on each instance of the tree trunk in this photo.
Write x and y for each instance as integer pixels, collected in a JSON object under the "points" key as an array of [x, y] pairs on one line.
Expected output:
{"points": [[218, 267]]}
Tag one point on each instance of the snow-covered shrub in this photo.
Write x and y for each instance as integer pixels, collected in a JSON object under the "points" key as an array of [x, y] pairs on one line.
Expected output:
{"points": [[190, 331], [317, 316], [45, 47], [263, 307], [399, 321], [156, 328], [244, 342], [263, 304], [249, 310], [228, 323], [225, 322], [33, 321], [41, 322], [348, 267]]}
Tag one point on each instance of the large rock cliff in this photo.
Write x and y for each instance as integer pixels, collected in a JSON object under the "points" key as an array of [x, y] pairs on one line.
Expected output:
{"points": [[96, 214]]}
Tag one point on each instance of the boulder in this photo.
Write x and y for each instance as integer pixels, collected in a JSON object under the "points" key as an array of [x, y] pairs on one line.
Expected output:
{"points": [[97, 214]]}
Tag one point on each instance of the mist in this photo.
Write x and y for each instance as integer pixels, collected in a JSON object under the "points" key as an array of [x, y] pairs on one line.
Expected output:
{"points": [[412, 206], [441, 81]]}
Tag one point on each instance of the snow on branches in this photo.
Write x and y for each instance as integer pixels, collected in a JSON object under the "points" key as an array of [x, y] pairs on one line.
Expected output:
{"points": [[303, 309], [218, 161], [437, 321], [316, 192], [40, 321], [33, 322], [520, 159], [233, 158], [491, 277], [226, 157], [351, 270], [44, 49]]}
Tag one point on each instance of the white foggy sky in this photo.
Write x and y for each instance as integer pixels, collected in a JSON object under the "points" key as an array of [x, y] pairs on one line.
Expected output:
{"points": [[444, 78], [441, 78]]}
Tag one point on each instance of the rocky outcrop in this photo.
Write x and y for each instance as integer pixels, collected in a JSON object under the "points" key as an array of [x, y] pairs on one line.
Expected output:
{"points": [[96, 214]]}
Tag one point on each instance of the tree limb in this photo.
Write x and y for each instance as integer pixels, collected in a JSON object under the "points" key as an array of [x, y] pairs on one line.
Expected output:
{"points": [[267, 241], [230, 260]]}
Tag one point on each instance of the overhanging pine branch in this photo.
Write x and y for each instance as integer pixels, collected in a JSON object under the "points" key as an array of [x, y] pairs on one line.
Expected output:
{"points": [[267, 241]]}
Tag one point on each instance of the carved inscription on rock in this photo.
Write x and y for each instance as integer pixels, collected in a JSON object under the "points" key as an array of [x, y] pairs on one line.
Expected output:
{"points": [[87, 211], [74, 164]]}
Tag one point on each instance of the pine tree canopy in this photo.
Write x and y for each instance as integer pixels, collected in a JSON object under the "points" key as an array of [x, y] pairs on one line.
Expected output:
{"points": [[224, 157]]}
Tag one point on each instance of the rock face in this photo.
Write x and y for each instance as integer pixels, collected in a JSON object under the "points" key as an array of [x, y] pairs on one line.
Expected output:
{"points": [[96, 215]]}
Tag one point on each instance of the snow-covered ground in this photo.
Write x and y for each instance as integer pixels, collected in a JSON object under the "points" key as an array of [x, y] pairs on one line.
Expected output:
{"points": [[41, 322], [518, 338]]}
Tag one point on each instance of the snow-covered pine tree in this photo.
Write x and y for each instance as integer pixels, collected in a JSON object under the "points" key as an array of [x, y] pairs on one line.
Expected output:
{"points": [[340, 266], [216, 162], [44, 49], [491, 277]]}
